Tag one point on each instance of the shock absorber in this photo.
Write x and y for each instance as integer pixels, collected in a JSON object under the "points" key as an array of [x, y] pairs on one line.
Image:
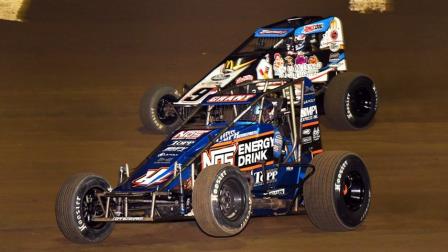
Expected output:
{"points": [[178, 168]]}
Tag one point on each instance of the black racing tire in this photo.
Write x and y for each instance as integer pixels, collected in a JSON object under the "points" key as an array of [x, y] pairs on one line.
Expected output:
{"points": [[154, 112], [350, 102], [75, 204], [337, 196], [222, 203]]}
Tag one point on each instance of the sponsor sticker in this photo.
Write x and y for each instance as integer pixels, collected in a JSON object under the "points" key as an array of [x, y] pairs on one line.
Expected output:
{"points": [[182, 143], [174, 149], [298, 67], [271, 177], [307, 140], [306, 132], [231, 98], [277, 32], [244, 78], [244, 153], [189, 134], [313, 28], [273, 32], [308, 113], [277, 192], [224, 155], [316, 134], [264, 69], [127, 218]]}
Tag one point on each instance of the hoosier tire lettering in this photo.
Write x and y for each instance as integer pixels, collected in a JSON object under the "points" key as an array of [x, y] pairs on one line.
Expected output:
{"points": [[337, 197], [75, 207], [222, 202]]}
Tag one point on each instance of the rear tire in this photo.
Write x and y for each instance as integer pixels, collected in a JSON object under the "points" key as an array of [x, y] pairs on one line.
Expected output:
{"points": [[350, 102], [222, 203], [337, 197], [156, 111], [76, 202]]}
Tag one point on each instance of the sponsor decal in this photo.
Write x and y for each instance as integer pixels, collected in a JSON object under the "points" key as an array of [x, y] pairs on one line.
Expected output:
{"points": [[298, 67], [334, 47], [228, 69], [175, 149], [277, 192], [278, 143], [233, 134], [332, 39], [228, 135], [306, 132], [231, 66], [316, 134], [245, 152], [271, 176], [309, 90], [167, 154], [264, 69], [273, 32], [334, 35], [313, 28], [307, 101], [189, 134], [127, 218], [220, 77], [277, 32], [307, 140], [182, 143], [163, 160], [152, 177], [223, 155], [308, 113], [279, 63], [231, 98], [334, 58], [244, 78], [254, 151]]}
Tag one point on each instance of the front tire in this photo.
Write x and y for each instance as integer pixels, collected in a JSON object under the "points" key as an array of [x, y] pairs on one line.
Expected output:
{"points": [[350, 101], [76, 203], [221, 201], [157, 112], [337, 197]]}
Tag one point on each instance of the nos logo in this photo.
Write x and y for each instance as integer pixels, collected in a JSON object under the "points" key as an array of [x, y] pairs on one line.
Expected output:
{"points": [[224, 155]]}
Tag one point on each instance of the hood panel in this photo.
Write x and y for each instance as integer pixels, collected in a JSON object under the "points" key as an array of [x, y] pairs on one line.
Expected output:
{"points": [[180, 147]]}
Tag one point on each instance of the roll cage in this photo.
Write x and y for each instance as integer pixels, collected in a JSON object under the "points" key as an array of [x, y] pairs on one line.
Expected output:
{"points": [[151, 205], [285, 87]]}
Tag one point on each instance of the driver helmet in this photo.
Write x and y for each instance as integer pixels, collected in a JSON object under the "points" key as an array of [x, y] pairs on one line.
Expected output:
{"points": [[266, 111]]}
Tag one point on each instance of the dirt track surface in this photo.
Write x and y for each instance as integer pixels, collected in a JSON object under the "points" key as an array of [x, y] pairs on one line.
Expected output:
{"points": [[70, 82]]}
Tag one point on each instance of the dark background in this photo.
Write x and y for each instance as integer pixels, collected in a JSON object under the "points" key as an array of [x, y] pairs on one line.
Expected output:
{"points": [[71, 77]]}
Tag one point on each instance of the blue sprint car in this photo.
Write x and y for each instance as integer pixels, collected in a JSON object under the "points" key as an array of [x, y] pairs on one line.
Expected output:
{"points": [[252, 149]]}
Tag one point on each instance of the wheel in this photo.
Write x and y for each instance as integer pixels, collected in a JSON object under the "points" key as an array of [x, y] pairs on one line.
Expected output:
{"points": [[76, 203], [350, 101], [337, 197], [157, 112], [222, 203]]}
